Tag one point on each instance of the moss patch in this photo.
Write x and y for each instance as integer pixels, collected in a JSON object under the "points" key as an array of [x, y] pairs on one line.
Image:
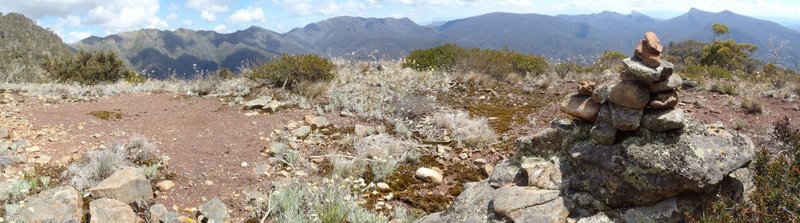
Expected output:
{"points": [[107, 115], [429, 197]]}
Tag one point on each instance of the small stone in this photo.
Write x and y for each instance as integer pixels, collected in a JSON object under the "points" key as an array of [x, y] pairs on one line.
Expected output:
{"points": [[667, 99], [4, 133], [663, 120], [215, 211], [165, 185], [580, 106], [463, 156], [316, 121], [301, 132], [480, 161], [670, 84], [32, 149], [283, 173], [383, 187], [630, 94], [625, 119], [586, 87], [363, 130], [244, 164], [209, 182], [258, 103], [488, 169], [428, 175], [653, 42]]}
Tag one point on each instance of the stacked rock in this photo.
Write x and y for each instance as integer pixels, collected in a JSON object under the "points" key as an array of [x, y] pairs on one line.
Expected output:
{"points": [[645, 96]]}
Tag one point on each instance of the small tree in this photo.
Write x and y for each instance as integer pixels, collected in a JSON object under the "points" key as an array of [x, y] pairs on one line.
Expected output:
{"points": [[727, 54], [88, 68], [287, 71], [719, 30]]}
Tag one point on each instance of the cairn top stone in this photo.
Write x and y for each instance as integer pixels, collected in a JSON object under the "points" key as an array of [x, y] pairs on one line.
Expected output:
{"points": [[653, 42]]}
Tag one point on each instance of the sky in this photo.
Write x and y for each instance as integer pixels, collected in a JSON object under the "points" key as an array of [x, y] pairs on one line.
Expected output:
{"points": [[74, 20]]}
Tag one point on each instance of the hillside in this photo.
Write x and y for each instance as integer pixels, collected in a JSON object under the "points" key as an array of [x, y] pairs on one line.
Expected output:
{"points": [[24, 46], [580, 37]]}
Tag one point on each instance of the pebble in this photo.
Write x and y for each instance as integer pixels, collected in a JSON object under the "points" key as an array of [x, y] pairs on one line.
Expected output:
{"points": [[383, 187], [209, 182], [463, 156], [244, 164], [32, 149], [165, 185]]}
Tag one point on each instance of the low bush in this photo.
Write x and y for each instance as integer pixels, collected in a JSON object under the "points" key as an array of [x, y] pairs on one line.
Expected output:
{"points": [[495, 63], [288, 71], [90, 68], [100, 164]]}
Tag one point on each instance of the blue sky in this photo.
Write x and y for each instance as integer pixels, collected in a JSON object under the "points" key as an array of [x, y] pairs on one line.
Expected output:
{"points": [[76, 19]]}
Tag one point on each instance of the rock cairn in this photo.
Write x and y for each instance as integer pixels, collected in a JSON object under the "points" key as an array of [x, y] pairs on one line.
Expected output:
{"points": [[644, 97]]}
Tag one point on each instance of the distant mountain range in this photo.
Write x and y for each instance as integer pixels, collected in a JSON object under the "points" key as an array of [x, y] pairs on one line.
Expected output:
{"points": [[555, 37]]}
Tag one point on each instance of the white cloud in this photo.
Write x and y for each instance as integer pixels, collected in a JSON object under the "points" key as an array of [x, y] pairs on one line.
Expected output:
{"points": [[347, 8], [221, 28], [172, 16], [110, 15], [298, 7], [73, 37], [208, 16], [249, 14], [208, 8], [156, 23], [187, 22]]}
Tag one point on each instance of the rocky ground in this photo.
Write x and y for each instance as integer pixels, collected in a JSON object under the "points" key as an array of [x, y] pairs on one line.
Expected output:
{"points": [[216, 151]]}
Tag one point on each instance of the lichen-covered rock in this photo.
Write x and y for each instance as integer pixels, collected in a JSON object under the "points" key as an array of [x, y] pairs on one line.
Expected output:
{"points": [[629, 94], [667, 99], [600, 94], [653, 166], [544, 174], [634, 69], [664, 119], [215, 211], [505, 173], [664, 211], [126, 185], [472, 205], [739, 184], [625, 119], [558, 137], [60, 204], [580, 106], [110, 210], [526, 204], [160, 213], [603, 134], [672, 83]]}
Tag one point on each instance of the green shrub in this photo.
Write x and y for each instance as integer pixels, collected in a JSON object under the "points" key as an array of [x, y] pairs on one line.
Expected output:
{"points": [[726, 53], [609, 60], [438, 58], [495, 63], [715, 72], [288, 71], [88, 68]]}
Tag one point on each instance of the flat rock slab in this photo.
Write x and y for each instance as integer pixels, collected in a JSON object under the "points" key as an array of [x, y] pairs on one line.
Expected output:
{"points": [[110, 210], [664, 119], [635, 69], [526, 204], [60, 204], [653, 166], [630, 94], [126, 185]]}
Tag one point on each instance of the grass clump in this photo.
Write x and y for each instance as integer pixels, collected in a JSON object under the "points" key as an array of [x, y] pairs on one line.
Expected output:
{"points": [[752, 106], [496, 63], [99, 164], [328, 202], [777, 183], [466, 131], [288, 71], [724, 88]]}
